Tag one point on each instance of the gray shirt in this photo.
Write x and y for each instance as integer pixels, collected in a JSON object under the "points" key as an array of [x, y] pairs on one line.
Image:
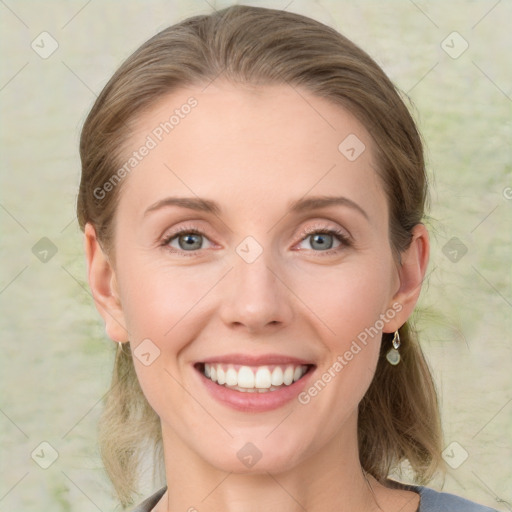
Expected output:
{"points": [[430, 501]]}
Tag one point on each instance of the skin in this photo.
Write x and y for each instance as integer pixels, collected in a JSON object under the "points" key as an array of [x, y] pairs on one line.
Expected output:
{"points": [[253, 150]]}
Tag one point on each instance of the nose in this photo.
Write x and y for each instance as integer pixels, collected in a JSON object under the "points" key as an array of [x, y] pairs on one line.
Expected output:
{"points": [[256, 297]]}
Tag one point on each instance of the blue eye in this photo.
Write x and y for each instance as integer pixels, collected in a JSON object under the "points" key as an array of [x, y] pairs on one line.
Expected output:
{"points": [[322, 239], [190, 240]]}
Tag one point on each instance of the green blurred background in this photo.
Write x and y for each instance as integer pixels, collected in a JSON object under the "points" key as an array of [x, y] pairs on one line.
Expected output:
{"points": [[56, 359]]}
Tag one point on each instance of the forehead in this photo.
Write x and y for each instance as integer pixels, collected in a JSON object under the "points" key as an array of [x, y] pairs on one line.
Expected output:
{"points": [[248, 146]]}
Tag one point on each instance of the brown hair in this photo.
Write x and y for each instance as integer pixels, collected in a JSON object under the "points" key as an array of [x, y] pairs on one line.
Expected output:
{"points": [[398, 417]]}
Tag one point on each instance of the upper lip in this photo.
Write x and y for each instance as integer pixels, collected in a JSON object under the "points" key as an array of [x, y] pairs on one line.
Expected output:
{"points": [[256, 360]]}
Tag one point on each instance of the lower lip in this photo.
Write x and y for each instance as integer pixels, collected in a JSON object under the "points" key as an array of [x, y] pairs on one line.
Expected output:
{"points": [[255, 402]]}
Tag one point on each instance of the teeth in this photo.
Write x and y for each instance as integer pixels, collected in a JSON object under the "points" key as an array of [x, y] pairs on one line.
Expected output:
{"points": [[254, 379], [263, 378], [231, 377], [245, 378], [277, 376], [221, 376], [288, 375]]}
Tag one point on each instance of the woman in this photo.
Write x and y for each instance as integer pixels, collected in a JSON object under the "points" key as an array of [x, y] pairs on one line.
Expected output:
{"points": [[252, 194]]}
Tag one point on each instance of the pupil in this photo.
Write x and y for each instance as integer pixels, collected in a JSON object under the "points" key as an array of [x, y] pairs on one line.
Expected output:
{"points": [[320, 239], [189, 240]]}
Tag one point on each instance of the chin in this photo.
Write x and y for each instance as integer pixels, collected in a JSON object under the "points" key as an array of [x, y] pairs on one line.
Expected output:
{"points": [[254, 457]]}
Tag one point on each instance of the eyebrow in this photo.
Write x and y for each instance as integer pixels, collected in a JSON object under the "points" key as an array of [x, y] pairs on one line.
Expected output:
{"points": [[297, 206]]}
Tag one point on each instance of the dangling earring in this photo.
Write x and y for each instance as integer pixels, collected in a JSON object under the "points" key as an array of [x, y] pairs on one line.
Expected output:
{"points": [[393, 356]]}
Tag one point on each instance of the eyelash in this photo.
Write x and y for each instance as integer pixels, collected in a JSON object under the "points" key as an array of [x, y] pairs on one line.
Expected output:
{"points": [[342, 237]]}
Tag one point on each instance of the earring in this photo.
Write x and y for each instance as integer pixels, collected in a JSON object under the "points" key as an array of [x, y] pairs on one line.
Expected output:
{"points": [[393, 356]]}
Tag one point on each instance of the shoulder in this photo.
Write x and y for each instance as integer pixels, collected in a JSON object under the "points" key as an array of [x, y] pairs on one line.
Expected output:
{"points": [[444, 502], [434, 501], [148, 504], [431, 501]]}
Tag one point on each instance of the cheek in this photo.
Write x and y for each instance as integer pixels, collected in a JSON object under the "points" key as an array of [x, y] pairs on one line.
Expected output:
{"points": [[162, 307], [347, 299], [156, 299], [349, 303]]}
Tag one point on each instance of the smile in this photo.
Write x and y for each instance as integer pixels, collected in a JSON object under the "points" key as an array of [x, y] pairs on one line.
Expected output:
{"points": [[254, 383], [253, 379]]}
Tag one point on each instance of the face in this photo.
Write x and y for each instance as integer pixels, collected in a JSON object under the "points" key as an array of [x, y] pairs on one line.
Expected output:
{"points": [[259, 275]]}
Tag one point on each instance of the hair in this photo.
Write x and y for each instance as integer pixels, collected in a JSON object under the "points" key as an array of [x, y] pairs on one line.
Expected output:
{"points": [[399, 419]]}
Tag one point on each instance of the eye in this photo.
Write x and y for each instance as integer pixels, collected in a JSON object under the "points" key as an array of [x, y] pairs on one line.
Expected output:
{"points": [[185, 240], [190, 240], [322, 239]]}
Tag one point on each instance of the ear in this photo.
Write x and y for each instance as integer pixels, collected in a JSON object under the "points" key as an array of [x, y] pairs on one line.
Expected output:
{"points": [[411, 272], [103, 284]]}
